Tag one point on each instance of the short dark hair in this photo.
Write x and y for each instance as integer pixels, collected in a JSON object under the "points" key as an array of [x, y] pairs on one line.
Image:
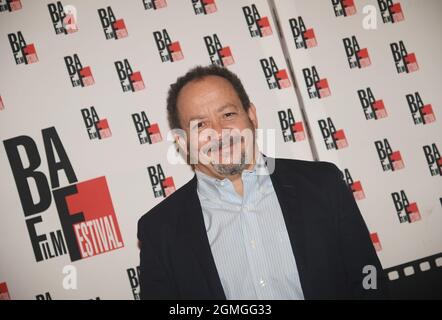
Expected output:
{"points": [[198, 73]]}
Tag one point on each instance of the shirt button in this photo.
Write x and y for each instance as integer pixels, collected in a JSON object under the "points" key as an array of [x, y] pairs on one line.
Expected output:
{"points": [[253, 243], [262, 283]]}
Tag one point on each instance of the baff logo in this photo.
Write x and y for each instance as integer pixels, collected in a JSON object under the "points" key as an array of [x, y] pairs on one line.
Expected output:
{"points": [[316, 87], [218, 54], [291, 129], [113, 28], [391, 12], [22, 52], [258, 26], [434, 160], [168, 50], [375, 240], [80, 76], [89, 209], [344, 8], [129, 80], [147, 132], [354, 186], [47, 296], [303, 37], [44, 296], [88, 221], [356, 57], [276, 79], [333, 139], [162, 186], [406, 211], [420, 112], [134, 281], [154, 4], [373, 108], [96, 128], [10, 5], [204, 6], [4, 292], [63, 18], [404, 61], [390, 160]]}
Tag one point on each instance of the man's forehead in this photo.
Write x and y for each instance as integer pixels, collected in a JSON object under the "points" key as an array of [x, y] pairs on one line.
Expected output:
{"points": [[207, 87], [213, 93]]}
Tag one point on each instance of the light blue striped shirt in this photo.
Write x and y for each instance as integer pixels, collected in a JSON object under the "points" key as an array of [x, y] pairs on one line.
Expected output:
{"points": [[248, 237]]}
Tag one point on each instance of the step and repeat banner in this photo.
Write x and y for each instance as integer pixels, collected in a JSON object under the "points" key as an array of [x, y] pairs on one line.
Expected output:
{"points": [[368, 74], [86, 149]]}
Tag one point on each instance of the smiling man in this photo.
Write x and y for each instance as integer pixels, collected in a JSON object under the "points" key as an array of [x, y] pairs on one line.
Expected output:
{"points": [[247, 226]]}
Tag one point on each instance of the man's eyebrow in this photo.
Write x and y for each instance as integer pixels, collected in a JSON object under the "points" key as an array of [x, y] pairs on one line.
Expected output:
{"points": [[198, 117], [220, 109]]}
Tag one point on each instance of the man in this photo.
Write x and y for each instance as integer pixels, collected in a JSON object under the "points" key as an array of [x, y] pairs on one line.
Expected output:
{"points": [[243, 229]]}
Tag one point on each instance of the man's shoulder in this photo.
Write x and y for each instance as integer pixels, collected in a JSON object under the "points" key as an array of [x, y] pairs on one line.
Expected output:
{"points": [[318, 177], [319, 181], [168, 211], [309, 169]]}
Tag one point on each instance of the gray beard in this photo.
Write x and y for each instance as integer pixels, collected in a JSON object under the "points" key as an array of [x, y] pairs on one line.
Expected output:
{"points": [[231, 169]]}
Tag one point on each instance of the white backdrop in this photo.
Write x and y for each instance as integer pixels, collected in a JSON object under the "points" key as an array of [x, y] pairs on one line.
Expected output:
{"points": [[338, 37], [40, 100]]}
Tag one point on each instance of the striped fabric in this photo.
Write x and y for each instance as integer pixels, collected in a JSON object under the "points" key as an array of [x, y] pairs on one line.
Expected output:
{"points": [[248, 237]]}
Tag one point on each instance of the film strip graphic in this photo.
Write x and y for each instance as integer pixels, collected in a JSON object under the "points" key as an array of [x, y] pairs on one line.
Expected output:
{"points": [[411, 268]]}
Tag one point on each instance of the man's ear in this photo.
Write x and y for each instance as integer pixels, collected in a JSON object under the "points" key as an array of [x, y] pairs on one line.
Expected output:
{"points": [[252, 115], [180, 141]]}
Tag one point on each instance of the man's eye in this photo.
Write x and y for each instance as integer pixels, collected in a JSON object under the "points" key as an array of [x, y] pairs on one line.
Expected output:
{"points": [[200, 125], [229, 114]]}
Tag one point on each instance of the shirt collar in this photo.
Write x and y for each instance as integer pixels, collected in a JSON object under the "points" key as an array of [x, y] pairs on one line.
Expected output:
{"points": [[214, 188]]}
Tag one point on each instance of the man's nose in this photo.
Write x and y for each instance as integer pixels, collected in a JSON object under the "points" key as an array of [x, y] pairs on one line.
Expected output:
{"points": [[218, 128]]}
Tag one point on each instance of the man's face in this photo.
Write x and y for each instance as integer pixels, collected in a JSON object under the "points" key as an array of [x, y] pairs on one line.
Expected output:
{"points": [[219, 131]]}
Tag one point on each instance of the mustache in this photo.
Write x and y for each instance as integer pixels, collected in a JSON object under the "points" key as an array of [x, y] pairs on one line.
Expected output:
{"points": [[218, 145]]}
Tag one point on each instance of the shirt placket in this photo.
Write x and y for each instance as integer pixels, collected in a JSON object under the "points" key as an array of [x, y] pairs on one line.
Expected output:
{"points": [[252, 237]]}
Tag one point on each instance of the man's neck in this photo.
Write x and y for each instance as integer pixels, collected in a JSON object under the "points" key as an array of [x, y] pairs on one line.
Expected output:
{"points": [[236, 179]]}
